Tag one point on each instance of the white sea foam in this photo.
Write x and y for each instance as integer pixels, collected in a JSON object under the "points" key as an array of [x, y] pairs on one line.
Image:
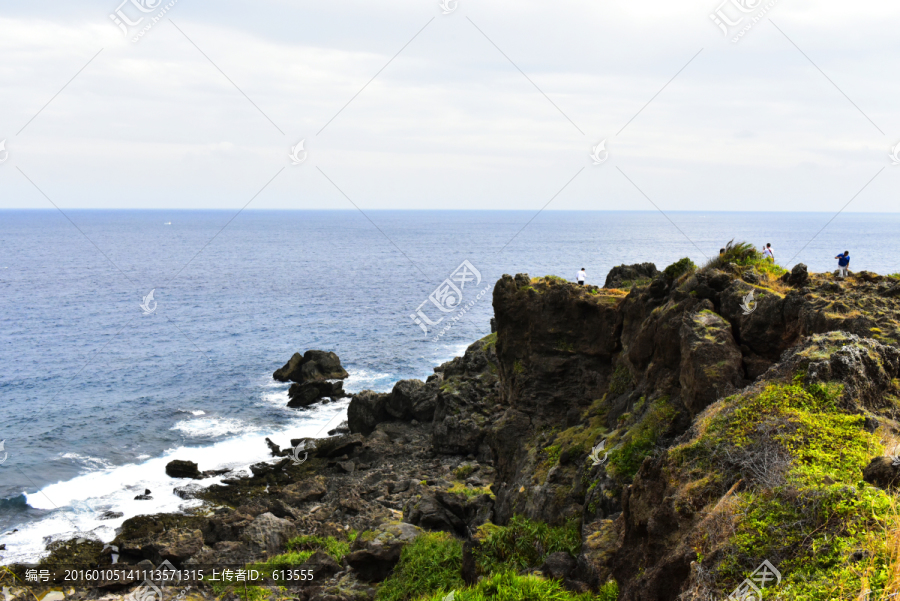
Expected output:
{"points": [[207, 427], [81, 500], [363, 379], [87, 460]]}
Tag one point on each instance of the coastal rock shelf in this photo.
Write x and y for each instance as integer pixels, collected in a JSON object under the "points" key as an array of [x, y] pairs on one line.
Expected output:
{"points": [[658, 438]]}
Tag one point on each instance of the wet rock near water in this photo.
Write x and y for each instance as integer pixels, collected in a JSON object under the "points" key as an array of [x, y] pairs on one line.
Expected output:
{"points": [[312, 366], [178, 468]]}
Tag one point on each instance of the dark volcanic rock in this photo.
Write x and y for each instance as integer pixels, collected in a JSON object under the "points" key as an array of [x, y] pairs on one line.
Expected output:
{"points": [[307, 393], [558, 565], [450, 512], [710, 360], [178, 468], [366, 410], [882, 472], [628, 275], [399, 404], [798, 277], [188, 491], [312, 366], [374, 554]]}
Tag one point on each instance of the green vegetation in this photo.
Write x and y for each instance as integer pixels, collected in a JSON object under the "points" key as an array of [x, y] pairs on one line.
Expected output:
{"points": [[490, 340], [641, 440], [804, 506], [431, 564], [744, 254], [509, 586], [463, 471], [334, 547], [518, 367], [242, 590], [621, 381], [679, 268], [523, 544], [285, 561], [629, 284], [462, 489]]}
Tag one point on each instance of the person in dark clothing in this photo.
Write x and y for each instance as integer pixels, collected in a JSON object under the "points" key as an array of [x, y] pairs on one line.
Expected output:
{"points": [[843, 264]]}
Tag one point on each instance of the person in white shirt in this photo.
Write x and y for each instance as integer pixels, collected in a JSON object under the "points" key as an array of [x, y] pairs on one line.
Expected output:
{"points": [[581, 276], [768, 253]]}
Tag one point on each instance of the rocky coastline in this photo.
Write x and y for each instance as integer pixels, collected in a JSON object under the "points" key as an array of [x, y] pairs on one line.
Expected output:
{"points": [[656, 439]]}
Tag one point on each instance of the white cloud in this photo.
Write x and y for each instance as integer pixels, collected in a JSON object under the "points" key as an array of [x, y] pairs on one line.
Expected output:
{"points": [[450, 123]]}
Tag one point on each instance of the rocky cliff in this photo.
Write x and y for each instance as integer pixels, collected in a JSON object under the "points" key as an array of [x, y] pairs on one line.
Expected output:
{"points": [[661, 441]]}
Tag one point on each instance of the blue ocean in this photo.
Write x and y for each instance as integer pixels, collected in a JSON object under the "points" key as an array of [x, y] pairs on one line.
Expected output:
{"points": [[101, 385]]}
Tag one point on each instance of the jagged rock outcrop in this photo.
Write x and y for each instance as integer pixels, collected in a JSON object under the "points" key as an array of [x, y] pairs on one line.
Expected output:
{"points": [[307, 393], [311, 366], [626, 276]]}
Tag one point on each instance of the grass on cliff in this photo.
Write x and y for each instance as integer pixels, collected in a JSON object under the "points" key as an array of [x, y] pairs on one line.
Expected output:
{"points": [[509, 586], [522, 544], [431, 564], [332, 546], [744, 254], [640, 441], [803, 505]]}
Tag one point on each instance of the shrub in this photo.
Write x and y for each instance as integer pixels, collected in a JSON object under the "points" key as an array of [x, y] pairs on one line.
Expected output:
{"points": [[523, 544], [463, 471], [679, 268], [509, 586], [334, 547], [430, 565], [285, 561]]}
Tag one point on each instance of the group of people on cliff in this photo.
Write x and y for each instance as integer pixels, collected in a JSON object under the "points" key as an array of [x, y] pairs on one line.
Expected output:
{"points": [[767, 252]]}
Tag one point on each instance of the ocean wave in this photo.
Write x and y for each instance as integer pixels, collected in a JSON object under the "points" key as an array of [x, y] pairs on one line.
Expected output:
{"points": [[87, 460], [210, 427], [192, 411], [363, 379]]}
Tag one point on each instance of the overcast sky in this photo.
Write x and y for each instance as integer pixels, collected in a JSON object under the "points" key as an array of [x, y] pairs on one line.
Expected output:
{"points": [[799, 114]]}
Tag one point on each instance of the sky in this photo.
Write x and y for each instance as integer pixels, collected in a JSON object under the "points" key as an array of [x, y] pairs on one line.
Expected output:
{"points": [[450, 104]]}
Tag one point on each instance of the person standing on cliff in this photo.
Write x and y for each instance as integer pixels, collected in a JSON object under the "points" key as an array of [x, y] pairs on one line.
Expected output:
{"points": [[768, 253], [581, 275], [843, 264]]}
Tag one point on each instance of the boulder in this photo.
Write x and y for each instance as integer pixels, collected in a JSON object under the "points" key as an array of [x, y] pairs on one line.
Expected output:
{"points": [[882, 472], [312, 366], [178, 468], [307, 393], [189, 491], [449, 512], [176, 545], [321, 565], [304, 491], [626, 276], [374, 554], [399, 403], [267, 535], [366, 410], [558, 565], [710, 360], [335, 446], [798, 277]]}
